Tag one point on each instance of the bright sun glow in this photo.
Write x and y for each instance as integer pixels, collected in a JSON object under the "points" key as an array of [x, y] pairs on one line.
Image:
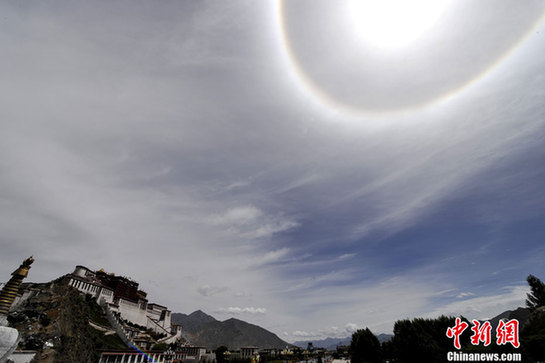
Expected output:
{"points": [[394, 23]]}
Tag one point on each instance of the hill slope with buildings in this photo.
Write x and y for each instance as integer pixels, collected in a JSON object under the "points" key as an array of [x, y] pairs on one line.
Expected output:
{"points": [[61, 325], [87, 314]]}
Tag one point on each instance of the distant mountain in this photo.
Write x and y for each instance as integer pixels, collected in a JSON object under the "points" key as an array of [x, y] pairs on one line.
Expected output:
{"points": [[203, 330], [521, 314], [328, 343], [333, 343], [193, 321], [384, 337]]}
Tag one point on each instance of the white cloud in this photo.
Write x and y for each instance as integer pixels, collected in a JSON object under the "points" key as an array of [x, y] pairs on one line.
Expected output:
{"points": [[246, 310], [237, 184], [351, 327], [332, 332], [271, 257], [465, 294], [303, 334], [251, 222], [239, 216], [207, 290], [485, 307]]}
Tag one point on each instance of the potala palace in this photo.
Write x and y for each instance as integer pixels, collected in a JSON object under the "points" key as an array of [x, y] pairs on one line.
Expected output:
{"points": [[122, 298]]}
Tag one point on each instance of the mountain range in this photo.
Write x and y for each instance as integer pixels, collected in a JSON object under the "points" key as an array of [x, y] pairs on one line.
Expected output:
{"points": [[333, 343], [521, 314], [204, 330]]}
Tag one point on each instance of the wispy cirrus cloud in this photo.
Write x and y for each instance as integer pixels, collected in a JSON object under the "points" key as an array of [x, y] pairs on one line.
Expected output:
{"points": [[271, 257], [207, 290], [465, 294], [251, 222], [485, 307], [239, 311], [332, 332]]}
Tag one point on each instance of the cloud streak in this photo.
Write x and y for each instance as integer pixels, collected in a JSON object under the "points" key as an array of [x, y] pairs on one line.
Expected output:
{"points": [[238, 311]]}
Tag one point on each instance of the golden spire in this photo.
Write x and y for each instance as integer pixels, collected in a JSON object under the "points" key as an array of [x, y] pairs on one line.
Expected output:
{"points": [[11, 289]]}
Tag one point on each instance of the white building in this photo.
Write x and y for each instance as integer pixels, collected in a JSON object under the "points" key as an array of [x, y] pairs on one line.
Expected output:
{"points": [[123, 297]]}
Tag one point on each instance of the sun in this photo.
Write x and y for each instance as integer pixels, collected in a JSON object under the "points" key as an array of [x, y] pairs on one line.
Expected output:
{"points": [[391, 24]]}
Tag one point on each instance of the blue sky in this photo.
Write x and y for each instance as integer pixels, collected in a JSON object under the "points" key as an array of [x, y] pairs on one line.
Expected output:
{"points": [[265, 160]]}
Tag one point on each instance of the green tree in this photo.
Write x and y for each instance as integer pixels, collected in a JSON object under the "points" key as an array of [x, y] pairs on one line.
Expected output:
{"points": [[388, 350], [536, 298], [220, 354], [533, 332], [424, 339], [365, 347], [533, 337]]}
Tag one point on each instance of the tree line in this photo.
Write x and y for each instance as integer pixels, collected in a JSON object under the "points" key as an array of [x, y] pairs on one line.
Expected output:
{"points": [[425, 340]]}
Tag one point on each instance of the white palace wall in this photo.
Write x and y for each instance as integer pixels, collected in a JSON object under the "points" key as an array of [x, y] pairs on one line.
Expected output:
{"points": [[132, 312], [153, 316], [96, 291]]}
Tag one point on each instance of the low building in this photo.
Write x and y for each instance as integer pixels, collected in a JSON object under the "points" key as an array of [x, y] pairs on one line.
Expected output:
{"points": [[184, 354], [132, 356], [249, 352], [191, 353], [270, 353]]}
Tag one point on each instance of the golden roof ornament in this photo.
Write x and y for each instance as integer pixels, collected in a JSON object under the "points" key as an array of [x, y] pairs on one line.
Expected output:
{"points": [[25, 266], [11, 289]]}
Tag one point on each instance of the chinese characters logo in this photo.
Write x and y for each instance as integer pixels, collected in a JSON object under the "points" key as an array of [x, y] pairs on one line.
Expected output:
{"points": [[506, 332]]}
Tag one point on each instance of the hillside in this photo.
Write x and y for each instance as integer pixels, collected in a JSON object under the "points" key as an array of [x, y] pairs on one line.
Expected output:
{"points": [[55, 321], [204, 330], [193, 321], [521, 314]]}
